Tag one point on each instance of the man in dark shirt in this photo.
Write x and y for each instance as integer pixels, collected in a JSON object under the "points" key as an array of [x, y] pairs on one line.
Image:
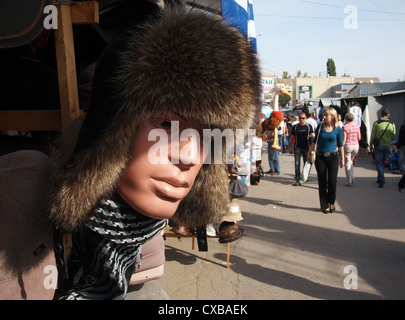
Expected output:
{"points": [[301, 138]]}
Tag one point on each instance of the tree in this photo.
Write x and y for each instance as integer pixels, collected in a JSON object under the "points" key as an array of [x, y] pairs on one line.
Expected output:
{"points": [[286, 75], [283, 100], [331, 68]]}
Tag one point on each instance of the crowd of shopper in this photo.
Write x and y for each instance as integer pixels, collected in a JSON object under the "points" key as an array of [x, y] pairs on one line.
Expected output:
{"points": [[335, 144]]}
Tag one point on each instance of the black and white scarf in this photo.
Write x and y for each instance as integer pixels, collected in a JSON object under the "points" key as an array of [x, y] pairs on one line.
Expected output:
{"points": [[107, 251]]}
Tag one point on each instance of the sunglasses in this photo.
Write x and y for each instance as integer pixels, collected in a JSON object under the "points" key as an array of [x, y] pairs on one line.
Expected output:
{"points": [[302, 118]]}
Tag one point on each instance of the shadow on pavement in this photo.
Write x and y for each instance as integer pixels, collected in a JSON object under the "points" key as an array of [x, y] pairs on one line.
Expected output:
{"points": [[186, 258], [292, 282], [380, 262]]}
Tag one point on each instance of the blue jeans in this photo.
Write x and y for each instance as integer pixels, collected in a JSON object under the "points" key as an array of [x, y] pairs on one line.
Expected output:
{"points": [[287, 142], [298, 153], [281, 142], [274, 159], [380, 155]]}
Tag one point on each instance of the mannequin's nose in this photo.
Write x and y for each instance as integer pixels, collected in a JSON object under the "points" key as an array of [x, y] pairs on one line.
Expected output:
{"points": [[189, 150]]}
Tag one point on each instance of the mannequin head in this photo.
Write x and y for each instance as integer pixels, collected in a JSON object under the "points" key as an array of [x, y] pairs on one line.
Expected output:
{"points": [[184, 67]]}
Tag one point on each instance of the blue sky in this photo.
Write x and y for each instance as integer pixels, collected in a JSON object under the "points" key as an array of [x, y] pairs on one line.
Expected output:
{"points": [[303, 34]]}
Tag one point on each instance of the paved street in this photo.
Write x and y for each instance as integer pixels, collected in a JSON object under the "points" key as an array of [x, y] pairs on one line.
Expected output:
{"points": [[290, 250]]}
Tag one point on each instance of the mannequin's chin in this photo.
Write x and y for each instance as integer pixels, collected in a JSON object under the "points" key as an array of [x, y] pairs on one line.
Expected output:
{"points": [[162, 208]]}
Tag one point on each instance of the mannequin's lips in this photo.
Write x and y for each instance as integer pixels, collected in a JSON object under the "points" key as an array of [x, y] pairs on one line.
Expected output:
{"points": [[171, 188]]}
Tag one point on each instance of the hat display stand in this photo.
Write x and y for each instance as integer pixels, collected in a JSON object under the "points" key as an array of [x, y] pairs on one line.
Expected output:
{"points": [[227, 232], [199, 234]]}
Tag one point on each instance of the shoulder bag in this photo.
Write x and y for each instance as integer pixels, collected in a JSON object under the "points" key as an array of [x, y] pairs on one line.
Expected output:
{"points": [[312, 156], [376, 141]]}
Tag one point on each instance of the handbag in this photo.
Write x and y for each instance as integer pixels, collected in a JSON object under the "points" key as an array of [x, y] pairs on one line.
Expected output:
{"points": [[312, 156], [255, 178]]}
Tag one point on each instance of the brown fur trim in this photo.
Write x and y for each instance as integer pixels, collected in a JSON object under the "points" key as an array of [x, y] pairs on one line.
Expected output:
{"points": [[90, 175], [193, 65]]}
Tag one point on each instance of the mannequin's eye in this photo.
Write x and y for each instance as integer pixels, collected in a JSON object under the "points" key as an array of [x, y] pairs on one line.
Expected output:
{"points": [[165, 125]]}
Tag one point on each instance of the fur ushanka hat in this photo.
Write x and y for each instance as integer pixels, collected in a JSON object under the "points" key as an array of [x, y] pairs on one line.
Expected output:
{"points": [[189, 63]]}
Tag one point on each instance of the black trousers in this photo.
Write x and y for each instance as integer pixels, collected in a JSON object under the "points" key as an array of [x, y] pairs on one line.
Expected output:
{"points": [[327, 170]]}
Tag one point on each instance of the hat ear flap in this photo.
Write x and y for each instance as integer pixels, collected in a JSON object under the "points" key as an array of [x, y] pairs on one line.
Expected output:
{"points": [[208, 200]]}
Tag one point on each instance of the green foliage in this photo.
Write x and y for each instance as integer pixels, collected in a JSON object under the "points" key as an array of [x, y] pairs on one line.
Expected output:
{"points": [[331, 68], [283, 100], [286, 75]]}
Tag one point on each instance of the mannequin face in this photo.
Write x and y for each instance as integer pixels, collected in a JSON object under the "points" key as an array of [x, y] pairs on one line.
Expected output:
{"points": [[155, 190]]}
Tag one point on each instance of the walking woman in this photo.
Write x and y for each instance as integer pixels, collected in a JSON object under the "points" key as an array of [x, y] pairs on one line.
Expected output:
{"points": [[351, 138], [330, 145]]}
